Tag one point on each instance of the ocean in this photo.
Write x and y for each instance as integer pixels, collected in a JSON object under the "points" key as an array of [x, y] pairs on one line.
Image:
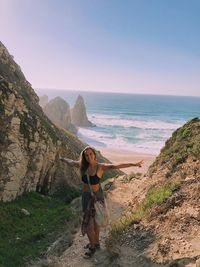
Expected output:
{"points": [[132, 122]]}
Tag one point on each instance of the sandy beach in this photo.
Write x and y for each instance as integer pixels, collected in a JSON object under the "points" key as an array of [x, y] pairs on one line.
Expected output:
{"points": [[123, 156]]}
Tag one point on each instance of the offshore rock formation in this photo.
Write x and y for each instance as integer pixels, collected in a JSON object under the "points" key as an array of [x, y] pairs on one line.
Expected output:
{"points": [[58, 111], [29, 143], [43, 100], [78, 114]]}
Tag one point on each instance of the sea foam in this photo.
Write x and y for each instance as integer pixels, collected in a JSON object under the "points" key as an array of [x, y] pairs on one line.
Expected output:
{"points": [[108, 120]]}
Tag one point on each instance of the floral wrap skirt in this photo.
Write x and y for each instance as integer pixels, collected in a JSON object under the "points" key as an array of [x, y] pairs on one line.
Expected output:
{"points": [[89, 210]]}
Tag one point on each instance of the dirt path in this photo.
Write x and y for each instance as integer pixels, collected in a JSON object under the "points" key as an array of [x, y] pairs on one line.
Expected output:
{"points": [[117, 199], [138, 246]]}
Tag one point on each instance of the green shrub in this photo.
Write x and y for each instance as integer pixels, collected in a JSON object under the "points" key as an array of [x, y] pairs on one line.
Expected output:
{"points": [[66, 193], [184, 132]]}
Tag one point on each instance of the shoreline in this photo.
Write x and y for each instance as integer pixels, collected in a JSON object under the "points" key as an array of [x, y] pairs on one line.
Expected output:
{"points": [[124, 156]]}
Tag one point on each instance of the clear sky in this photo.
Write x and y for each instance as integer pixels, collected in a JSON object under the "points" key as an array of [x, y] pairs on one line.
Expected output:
{"points": [[138, 46]]}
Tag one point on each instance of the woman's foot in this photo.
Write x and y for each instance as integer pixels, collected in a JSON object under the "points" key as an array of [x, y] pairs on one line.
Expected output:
{"points": [[89, 253], [97, 246]]}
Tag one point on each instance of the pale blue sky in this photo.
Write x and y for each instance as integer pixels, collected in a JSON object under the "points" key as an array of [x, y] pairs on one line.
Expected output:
{"points": [[143, 46]]}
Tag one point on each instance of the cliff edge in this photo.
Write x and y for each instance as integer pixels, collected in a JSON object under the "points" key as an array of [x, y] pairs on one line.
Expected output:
{"points": [[29, 142]]}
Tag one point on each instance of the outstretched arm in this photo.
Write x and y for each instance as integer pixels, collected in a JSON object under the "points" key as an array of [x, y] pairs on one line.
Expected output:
{"points": [[71, 162], [122, 165]]}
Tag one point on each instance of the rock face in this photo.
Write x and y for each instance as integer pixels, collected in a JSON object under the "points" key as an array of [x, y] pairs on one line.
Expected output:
{"points": [[58, 111], [29, 143], [78, 114], [43, 100]]}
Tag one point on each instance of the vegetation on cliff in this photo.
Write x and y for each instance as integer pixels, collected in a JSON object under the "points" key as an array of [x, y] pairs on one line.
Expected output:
{"points": [[184, 144], [154, 197]]}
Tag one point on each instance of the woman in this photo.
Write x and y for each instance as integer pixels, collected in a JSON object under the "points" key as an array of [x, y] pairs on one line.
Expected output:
{"points": [[93, 170]]}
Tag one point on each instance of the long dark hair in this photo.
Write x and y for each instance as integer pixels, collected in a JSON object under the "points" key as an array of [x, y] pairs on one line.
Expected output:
{"points": [[83, 161]]}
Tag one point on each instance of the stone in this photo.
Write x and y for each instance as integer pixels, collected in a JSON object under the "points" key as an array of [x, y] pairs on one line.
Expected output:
{"points": [[25, 212]]}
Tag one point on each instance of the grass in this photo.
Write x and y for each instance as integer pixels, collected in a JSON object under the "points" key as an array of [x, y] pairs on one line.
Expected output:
{"points": [[66, 193], [154, 197], [27, 237]]}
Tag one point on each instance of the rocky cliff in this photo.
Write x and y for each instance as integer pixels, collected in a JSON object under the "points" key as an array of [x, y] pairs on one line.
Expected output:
{"points": [[78, 113], [163, 218], [29, 142], [58, 111], [177, 219]]}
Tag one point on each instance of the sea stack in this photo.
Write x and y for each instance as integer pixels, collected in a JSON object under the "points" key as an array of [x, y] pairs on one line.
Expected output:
{"points": [[78, 114], [43, 100], [58, 111]]}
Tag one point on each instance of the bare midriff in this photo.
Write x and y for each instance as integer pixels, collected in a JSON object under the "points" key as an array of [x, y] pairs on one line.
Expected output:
{"points": [[95, 187]]}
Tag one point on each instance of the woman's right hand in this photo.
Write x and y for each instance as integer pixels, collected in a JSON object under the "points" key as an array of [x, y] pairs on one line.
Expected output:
{"points": [[71, 162]]}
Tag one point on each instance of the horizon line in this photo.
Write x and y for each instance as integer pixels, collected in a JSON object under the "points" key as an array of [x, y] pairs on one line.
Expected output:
{"points": [[114, 92]]}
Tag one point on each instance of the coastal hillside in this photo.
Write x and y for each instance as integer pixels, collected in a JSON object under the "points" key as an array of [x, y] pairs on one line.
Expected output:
{"points": [[177, 218], [29, 142], [161, 225], [181, 154]]}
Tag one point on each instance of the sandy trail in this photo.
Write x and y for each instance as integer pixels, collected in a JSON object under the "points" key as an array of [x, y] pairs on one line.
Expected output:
{"points": [[117, 200], [122, 197]]}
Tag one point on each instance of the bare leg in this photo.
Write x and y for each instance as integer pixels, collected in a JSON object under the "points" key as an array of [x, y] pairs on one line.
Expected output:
{"points": [[96, 230], [92, 238], [91, 233]]}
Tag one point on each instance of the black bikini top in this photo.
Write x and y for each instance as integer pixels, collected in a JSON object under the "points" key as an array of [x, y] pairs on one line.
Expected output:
{"points": [[94, 179]]}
